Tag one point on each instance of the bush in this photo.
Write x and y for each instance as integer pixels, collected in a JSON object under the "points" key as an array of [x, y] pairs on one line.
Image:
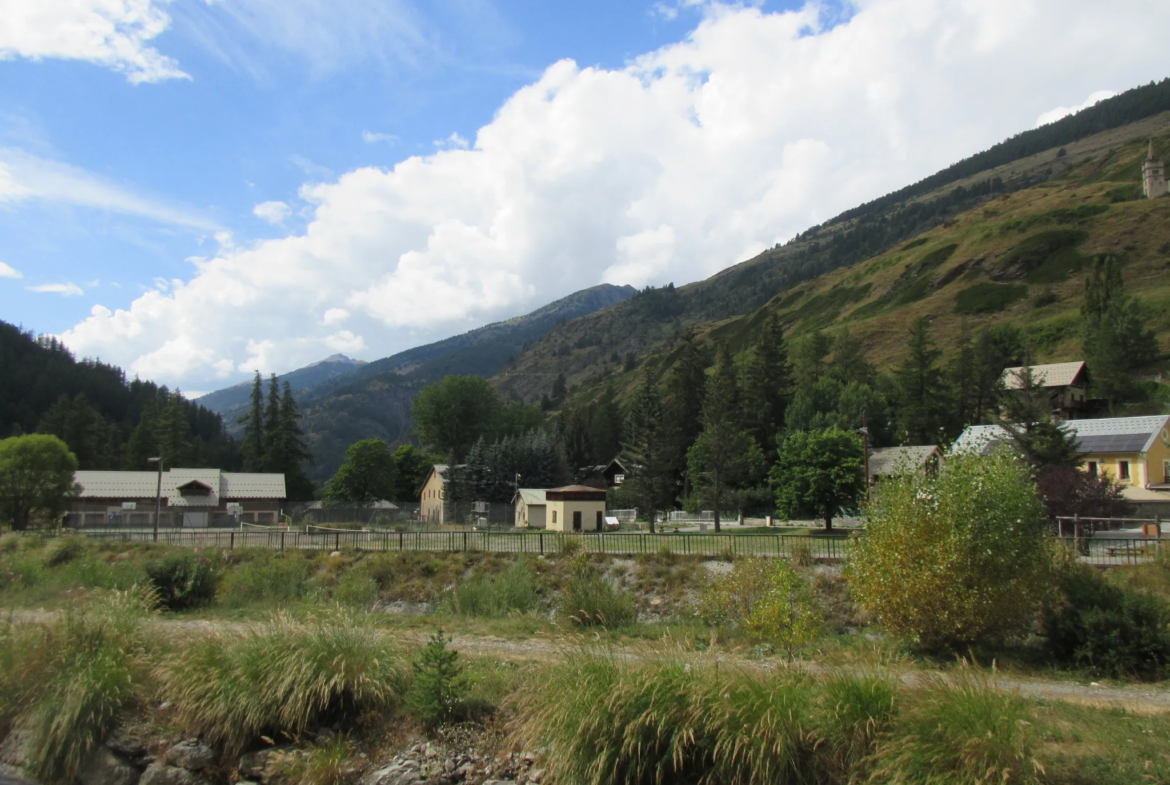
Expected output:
{"points": [[284, 676], [515, 591], [67, 683], [356, 588], [1111, 630], [265, 577], [330, 763], [182, 580], [955, 558], [959, 733], [988, 297], [439, 689], [767, 598], [63, 550], [589, 600]]}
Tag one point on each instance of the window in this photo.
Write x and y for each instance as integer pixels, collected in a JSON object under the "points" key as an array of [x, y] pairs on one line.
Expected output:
{"points": [[1123, 470], [1093, 468], [1165, 471], [618, 479], [554, 516]]}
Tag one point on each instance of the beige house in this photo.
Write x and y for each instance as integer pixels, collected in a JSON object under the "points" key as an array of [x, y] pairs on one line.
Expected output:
{"points": [[575, 508], [531, 508], [1067, 385], [432, 495]]}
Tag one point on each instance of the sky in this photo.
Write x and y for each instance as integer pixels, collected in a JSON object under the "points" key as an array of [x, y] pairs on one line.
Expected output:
{"points": [[198, 189]]}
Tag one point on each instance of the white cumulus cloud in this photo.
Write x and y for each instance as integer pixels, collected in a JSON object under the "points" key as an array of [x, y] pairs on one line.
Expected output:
{"points": [[7, 271], [63, 289], [110, 33], [688, 159], [1064, 111], [272, 212], [373, 137]]}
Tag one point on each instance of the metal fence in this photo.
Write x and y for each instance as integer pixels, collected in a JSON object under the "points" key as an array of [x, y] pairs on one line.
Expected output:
{"points": [[535, 542], [1115, 551]]}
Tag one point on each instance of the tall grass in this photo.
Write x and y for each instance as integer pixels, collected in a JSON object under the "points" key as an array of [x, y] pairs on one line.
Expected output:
{"points": [[284, 676], [514, 591], [265, 577], [68, 682]]}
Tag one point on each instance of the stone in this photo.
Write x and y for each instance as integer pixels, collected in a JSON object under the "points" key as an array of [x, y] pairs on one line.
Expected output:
{"points": [[162, 774], [14, 749], [536, 775], [253, 764], [191, 755], [126, 746], [105, 768], [394, 774]]}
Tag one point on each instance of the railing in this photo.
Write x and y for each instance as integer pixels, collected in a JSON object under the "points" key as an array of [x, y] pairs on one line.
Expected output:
{"points": [[534, 542], [1115, 551]]}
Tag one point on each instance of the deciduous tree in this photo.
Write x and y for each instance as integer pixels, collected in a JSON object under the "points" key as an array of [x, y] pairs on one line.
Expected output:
{"points": [[36, 479], [451, 415], [366, 476], [819, 474]]}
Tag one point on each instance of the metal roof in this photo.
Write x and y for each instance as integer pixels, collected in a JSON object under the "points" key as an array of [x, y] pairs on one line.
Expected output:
{"points": [[144, 485], [532, 496], [1111, 435], [1053, 375], [895, 460]]}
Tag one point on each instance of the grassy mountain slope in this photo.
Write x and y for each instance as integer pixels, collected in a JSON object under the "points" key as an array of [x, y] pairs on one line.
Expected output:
{"points": [[1005, 236], [233, 401], [374, 400]]}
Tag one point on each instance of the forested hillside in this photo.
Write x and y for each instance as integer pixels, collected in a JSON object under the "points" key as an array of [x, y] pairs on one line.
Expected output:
{"points": [[108, 421], [1091, 158]]}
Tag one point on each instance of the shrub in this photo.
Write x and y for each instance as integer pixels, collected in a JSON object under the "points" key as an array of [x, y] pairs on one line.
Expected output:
{"points": [[329, 763], [265, 577], [766, 598], [439, 688], [284, 676], [9, 543], [63, 550], [514, 591], [67, 683], [967, 732], [1109, 629], [356, 588], [182, 580], [589, 600], [954, 558], [988, 297]]}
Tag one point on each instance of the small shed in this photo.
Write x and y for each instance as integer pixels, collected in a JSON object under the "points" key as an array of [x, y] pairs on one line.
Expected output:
{"points": [[575, 508], [899, 461], [531, 508]]}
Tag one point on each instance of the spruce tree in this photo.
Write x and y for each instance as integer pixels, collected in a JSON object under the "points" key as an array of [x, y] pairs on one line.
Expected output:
{"points": [[1117, 340], [723, 456], [577, 446], [254, 441], [808, 359], [1027, 417], [850, 363], [606, 427], [688, 381], [272, 457], [922, 390], [767, 386], [292, 452], [172, 431], [646, 451], [962, 375]]}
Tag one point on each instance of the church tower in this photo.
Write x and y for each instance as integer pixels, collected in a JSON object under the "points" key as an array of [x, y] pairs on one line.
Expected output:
{"points": [[1153, 176]]}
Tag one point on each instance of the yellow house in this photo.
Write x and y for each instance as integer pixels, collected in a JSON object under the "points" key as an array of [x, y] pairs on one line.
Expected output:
{"points": [[575, 508], [432, 494], [531, 508], [1131, 451]]}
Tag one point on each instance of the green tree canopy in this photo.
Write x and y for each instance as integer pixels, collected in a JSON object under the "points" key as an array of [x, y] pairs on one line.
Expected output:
{"points": [[767, 385], [253, 421], [450, 416], [366, 476], [646, 451], [922, 387], [411, 466], [1117, 338], [90, 435], [818, 474], [36, 479]]}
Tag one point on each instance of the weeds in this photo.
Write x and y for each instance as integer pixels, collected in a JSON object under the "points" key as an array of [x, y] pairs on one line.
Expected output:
{"points": [[282, 677], [514, 591], [182, 580], [329, 763], [265, 578]]}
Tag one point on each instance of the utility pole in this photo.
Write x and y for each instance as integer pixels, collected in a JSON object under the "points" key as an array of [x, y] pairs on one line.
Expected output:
{"points": [[158, 494], [864, 431]]}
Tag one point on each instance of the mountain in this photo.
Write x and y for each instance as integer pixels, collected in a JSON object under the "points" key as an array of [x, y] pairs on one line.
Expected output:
{"points": [[1004, 226], [374, 399], [233, 401]]}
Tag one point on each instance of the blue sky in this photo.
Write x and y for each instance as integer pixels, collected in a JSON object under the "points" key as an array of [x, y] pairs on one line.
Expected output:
{"points": [[198, 188]]}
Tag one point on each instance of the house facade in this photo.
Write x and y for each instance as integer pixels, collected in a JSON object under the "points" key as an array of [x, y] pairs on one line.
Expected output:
{"points": [[886, 462], [432, 495], [191, 498], [1133, 452], [1066, 384], [531, 508], [575, 508]]}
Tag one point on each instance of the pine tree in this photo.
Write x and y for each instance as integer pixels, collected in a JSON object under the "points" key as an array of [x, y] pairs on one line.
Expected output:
{"points": [[997, 349], [291, 450], [606, 424], [559, 389], [1027, 417], [688, 380], [90, 436], [808, 359], [724, 455], [962, 375], [767, 387], [254, 441], [849, 360], [921, 388], [272, 457], [1117, 340], [172, 431], [646, 451], [575, 438]]}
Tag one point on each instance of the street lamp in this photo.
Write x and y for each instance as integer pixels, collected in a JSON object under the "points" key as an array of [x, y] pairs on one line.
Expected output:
{"points": [[158, 494]]}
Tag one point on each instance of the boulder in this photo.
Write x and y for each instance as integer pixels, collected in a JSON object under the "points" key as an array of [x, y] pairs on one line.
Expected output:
{"points": [[105, 768], [252, 764], [161, 774], [191, 755], [126, 746], [406, 773]]}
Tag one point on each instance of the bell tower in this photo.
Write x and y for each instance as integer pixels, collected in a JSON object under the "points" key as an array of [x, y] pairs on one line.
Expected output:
{"points": [[1153, 176]]}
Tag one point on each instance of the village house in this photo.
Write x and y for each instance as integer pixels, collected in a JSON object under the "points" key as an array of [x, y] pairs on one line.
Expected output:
{"points": [[432, 495], [1067, 385], [531, 508], [605, 475], [195, 498], [1131, 451], [886, 462], [574, 508]]}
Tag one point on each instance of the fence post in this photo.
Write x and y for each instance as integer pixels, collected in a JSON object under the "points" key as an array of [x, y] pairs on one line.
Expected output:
{"points": [[464, 541], [542, 543], [1076, 533], [337, 541], [233, 545], [399, 540], [282, 541]]}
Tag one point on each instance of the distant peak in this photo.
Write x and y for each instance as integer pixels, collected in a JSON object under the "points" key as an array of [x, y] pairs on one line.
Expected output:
{"points": [[337, 358]]}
